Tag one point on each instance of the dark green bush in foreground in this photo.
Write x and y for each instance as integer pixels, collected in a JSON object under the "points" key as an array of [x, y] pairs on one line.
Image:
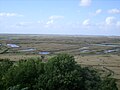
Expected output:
{"points": [[59, 73]]}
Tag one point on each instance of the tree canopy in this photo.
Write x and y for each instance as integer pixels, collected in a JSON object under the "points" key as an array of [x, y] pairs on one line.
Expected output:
{"points": [[60, 72]]}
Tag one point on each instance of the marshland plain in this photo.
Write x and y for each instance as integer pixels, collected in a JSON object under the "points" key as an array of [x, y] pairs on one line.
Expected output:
{"points": [[100, 52]]}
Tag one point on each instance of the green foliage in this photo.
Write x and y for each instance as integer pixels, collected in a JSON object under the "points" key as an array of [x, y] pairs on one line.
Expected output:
{"points": [[22, 73], [17, 87], [109, 84], [59, 73], [5, 64]]}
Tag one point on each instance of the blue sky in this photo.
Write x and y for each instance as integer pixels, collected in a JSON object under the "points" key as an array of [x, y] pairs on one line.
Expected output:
{"points": [[71, 17]]}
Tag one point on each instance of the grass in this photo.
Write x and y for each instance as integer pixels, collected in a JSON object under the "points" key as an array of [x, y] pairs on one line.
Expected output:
{"points": [[112, 62]]}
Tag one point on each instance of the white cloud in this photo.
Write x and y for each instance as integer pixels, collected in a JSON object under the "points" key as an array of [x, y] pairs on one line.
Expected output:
{"points": [[85, 2], [110, 20], [49, 22], [23, 24], [114, 11], [52, 20], [86, 22], [40, 22], [3, 14], [98, 11], [118, 24], [56, 17]]}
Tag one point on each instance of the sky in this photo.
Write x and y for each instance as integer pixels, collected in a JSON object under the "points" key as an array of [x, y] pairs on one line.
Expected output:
{"points": [[69, 17]]}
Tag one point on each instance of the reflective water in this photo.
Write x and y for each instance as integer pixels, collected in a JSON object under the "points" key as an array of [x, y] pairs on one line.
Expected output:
{"points": [[109, 45], [112, 50], [44, 52], [13, 45], [28, 50]]}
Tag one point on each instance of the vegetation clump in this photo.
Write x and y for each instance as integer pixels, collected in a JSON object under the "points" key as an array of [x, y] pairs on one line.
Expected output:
{"points": [[60, 72]]}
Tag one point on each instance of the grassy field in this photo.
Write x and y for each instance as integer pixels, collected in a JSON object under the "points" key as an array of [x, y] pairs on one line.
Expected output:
{"points": [[102, 53]]}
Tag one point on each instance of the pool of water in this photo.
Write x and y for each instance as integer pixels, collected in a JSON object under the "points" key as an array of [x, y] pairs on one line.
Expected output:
{"points": [[28, 50], [109, 45], [84, 51], [13, 45], [84, 48], [112, 50], [44, 53]]}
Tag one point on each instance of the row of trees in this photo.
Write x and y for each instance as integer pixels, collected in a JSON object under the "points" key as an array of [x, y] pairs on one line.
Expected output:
{"points": [[59, 73]]}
